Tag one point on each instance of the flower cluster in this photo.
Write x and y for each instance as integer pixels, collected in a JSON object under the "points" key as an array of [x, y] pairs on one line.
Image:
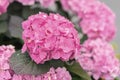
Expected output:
{"points": [[98, 59], [5, 54], [3, 6], [53, 74], [97, 20], [49, 37]]}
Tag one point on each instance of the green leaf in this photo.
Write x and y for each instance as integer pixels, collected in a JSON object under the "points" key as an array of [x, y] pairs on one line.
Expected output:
{"points": [[27, 11], [15, 27], [15, 8], [118, 78], [22, 64], [75, 77], [3, 17], [3, 27], [56, 63], [83, 39], [76, 69]]}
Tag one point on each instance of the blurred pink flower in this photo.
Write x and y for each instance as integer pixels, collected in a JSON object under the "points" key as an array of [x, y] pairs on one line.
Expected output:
{"points": [[5, 54], [3, 6], [98, 59], [27, 2], [97, 19], [49, 37]]}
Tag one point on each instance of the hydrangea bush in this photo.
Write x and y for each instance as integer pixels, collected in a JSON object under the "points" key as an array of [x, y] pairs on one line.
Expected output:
{"points": [[57, 40]]}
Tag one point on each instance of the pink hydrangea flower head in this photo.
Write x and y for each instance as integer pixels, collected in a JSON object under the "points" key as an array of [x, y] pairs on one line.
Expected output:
{"points": [[3, 6], [27, 2], [98, 21], [53, 74], [46, 3], [5, 54], [98, 59], [49, 37]]}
